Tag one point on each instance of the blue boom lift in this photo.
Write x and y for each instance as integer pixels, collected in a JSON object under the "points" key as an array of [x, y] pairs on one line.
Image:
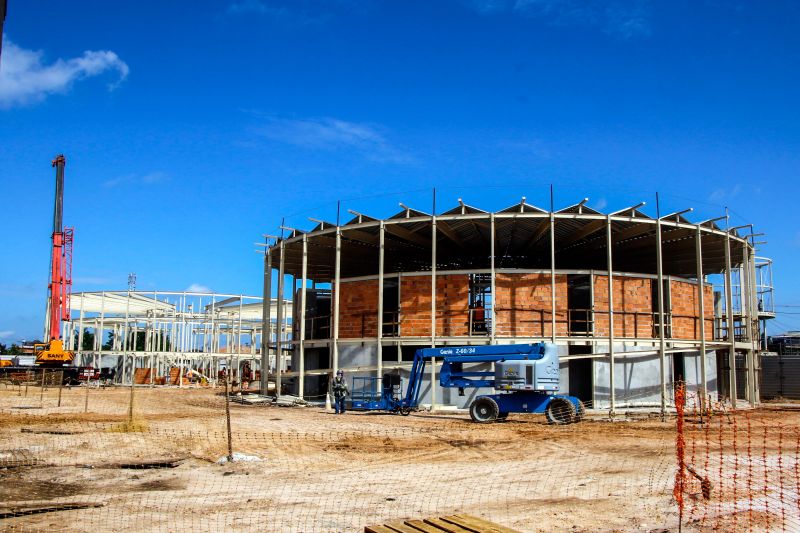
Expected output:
{"points": [[526, 377]]}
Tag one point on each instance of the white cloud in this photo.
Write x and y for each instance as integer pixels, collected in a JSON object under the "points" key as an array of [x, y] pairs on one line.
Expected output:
{"points": [[196, 287], [626, 19], [332, 134], [722, 194], [6, 334], [25, 78], [136, 179], [600, 204]]}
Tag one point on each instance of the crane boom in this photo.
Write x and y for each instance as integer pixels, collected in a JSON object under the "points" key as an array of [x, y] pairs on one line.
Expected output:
{"points": [[59, 287]]}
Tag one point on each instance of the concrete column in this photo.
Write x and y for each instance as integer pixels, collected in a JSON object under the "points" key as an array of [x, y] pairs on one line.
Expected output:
{"points": [[701, 309], [433, 309], [279, 343], [493, 275], [752, 311], [661, 333], [729, 319], [125, 338], [266, 320], [302, 345], [553, 274], [381, 251], [337, 287], [80, 327], [610, 267]]}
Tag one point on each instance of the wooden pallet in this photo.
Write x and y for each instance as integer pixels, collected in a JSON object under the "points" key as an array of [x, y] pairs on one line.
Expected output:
{"points": [[460, 523]]}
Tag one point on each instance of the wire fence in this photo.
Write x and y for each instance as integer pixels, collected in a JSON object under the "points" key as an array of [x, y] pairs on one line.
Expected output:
{"points": [[737, 470], [169, 459]]}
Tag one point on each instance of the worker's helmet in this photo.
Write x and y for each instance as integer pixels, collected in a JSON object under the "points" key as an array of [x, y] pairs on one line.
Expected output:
{"points": [[340, 373]]}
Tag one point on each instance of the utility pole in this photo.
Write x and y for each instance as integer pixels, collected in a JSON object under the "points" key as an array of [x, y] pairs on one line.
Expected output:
{"points": [[3, 11]]}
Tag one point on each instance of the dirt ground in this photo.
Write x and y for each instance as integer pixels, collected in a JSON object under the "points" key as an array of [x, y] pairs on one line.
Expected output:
{"points": [[302, 469]]}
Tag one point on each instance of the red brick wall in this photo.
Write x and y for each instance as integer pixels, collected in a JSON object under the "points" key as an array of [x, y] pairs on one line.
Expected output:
{"points": [[452, 304], [633, 307], [358, 309], [523, 305], [685, 324], [415, 306]]}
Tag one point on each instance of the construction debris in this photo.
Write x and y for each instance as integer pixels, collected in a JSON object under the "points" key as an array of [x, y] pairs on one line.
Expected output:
{"points": [[284, 400]]}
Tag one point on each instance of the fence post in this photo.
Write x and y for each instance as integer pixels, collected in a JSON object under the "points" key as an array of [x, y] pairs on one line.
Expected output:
{"points": [[60, 386], [228, 416], [130, 406], [41, 393]]}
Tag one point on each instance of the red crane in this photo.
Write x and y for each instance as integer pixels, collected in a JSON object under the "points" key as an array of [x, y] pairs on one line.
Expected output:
{"points": [[60, 286]]}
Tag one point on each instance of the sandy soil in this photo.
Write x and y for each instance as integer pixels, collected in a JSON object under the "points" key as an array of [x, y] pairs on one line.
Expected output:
{"points": [[307, 470]]}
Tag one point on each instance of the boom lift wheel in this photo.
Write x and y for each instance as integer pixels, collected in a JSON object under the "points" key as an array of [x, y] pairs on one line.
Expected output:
{"points": [[405, 411], [560, 411], [484, 410]]}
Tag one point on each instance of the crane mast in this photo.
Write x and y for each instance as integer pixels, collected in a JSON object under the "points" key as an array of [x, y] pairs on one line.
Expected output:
{"points": [[59, 287]]}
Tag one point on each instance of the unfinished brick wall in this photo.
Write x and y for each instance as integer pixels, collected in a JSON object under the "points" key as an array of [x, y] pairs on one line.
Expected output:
{"points": [[633, 306], [358, 309], [452, 304], [523, 305], [685, 324]]}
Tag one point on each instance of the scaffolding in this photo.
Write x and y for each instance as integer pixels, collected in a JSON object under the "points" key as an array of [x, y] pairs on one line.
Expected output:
{"points": [[161, 330]]}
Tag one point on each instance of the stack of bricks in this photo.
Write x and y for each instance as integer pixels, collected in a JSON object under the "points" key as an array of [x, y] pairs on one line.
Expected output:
{"points": [[358, 309], [685, 324], [523, 305], [633, 307]]}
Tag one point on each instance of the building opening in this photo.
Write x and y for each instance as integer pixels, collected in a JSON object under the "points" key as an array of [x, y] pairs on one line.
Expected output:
{"points": [[480, 303], [579, 302]]}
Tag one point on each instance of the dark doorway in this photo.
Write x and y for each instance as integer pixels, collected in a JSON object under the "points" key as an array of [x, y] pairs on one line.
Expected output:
{"points": [[581, 377], [579, 302], [678, 367], [391, 307]]}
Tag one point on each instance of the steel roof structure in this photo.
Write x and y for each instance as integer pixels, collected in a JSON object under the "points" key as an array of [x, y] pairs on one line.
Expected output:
{"points": [[463, 237]]}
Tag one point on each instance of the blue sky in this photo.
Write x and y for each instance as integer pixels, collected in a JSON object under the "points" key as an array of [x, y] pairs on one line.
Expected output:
{"points": [[192, 128]]}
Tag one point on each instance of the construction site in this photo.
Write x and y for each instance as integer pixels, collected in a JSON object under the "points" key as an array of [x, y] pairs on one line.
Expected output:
{"points": [[443, 338]]}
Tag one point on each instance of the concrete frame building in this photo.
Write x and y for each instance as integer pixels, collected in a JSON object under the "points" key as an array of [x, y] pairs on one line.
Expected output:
{"points": [[633, 302]]}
